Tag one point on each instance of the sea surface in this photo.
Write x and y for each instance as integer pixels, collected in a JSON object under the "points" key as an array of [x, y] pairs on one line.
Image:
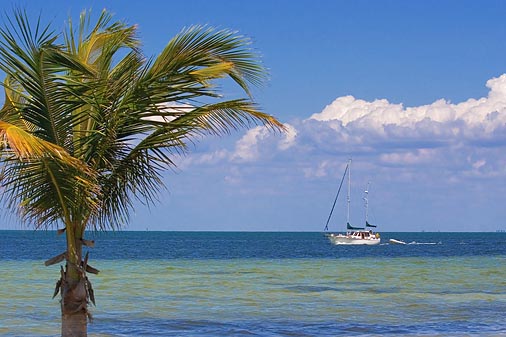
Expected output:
{"points": [[263, 284]]}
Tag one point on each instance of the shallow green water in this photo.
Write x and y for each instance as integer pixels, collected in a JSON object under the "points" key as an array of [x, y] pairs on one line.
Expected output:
{"points": [[445, 296]]}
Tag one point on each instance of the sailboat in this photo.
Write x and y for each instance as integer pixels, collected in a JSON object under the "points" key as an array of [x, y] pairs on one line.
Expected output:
{"points": [[353, 235]]}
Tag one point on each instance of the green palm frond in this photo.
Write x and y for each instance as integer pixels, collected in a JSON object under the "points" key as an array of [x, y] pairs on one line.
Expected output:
{"points": [[47, 192], [97, 48], [199, 54], [40, 176]]}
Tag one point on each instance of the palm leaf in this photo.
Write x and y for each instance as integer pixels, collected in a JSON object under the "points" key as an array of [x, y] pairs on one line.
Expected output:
{"points": [[40, 176]]}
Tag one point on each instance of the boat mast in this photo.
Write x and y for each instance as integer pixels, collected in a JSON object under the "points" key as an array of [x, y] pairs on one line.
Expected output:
{"points": [[337, 195], [349, 192], [366, 202]]}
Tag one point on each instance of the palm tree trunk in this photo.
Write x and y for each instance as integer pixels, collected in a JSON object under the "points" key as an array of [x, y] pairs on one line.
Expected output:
{"points": [[74, 325], [74, 295], [74, 307]]}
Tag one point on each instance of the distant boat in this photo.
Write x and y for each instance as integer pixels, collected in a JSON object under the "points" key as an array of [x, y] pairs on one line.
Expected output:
{"points": [[353, 235]]}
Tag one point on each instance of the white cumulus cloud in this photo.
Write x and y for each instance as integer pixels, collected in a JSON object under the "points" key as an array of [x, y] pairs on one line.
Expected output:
{"points": [[289, 138], [246, 148], [474, 120], [250, 146]]}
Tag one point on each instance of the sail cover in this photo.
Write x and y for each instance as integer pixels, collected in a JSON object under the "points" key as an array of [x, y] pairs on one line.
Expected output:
{"points": [[353, 228], [367, 224]]}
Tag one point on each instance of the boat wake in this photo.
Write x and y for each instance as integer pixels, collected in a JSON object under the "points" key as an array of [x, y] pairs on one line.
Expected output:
{"points": [[399, 242], [425, 243]]}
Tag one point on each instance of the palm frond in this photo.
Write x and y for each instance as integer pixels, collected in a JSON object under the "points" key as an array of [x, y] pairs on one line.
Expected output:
{"points": [[45, 192], [39, 175], [198, 48]]}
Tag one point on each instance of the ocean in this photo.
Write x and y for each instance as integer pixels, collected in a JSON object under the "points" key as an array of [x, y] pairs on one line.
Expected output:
{"points": [[263, 284]]}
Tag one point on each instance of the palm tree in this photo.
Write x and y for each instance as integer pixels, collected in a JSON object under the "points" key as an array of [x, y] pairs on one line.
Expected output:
{"points": [[90, 124]]}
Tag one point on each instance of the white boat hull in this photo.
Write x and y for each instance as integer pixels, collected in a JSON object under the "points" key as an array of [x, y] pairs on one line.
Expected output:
{"points": [[350, 239]]}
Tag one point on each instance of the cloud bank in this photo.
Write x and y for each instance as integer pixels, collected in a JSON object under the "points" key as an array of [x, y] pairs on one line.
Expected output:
{"points": [[473, 121], [464, 139]]}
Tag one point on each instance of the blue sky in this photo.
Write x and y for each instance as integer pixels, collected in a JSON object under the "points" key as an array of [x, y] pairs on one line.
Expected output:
{"points": [[413, 91]]}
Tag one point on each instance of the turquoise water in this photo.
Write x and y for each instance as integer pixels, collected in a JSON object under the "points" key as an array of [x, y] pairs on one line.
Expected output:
{"points": [[433, 287]]}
